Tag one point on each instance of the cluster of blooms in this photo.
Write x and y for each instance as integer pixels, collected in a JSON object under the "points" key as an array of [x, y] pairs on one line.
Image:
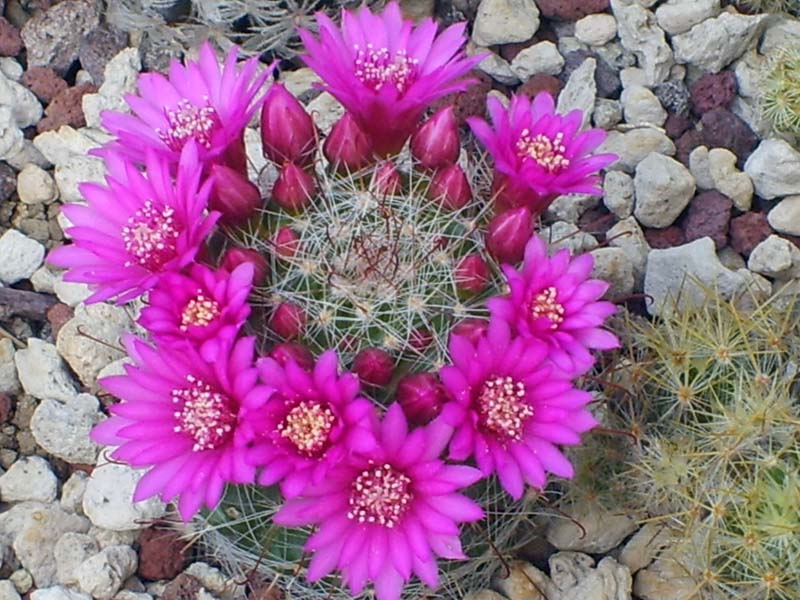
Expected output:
{"points": [[200, 410]]}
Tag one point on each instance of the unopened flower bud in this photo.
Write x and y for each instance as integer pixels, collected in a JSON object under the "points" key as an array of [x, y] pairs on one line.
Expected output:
{"points": [[450, 187], [386, 179], [421, 396], [286, 242], [374, 366], [472, 274], [284, 352], [508, 234], [347, 146], [436, 145], [288, 320], [234, 196], [236, 256], [420, 338], [287, 130], [472, 329], [293, 189]]}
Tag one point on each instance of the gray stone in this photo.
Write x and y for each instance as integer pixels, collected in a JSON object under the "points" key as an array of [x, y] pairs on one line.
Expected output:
{"points": [[30, 478], [543, 57], [71, 293], [629, 237], [42, 372], [639, 33], [76, 170], [21, 257], [567, 235], [774, 168], [11, 138], [326, 111], [698, 165], [715, 43], [22, 580], [526, 582], [640, 106], [36, 186], [498, 69], [607, 113], [614, 266], [103, 574], [775, 257], [601, 529], [644, 546], [728, 180], [783, 218], [596, 30], [9, 382], [609, 581], [580, 91], [663, 188], [679, 16], [108, 499], [618, 193], [63, 428], [70, 551], [633, 146], [8, 591], [72, 492], [121, 75], [484, 595], [570, 207], [107, 537], [673, 276], [781, 32], [214, 580], [505, 22], [567, 569], [61, 145], [24, 105], [59, 593]]}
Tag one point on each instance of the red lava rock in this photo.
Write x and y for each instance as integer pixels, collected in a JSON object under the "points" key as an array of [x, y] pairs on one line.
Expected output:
{"points": [[58, 315], [10, 40], [66, 109], [713, 90], [686, 143], [6, 408], [162, 554], [183, 587], [721, 128], [510, 51], [44, 82], [748, 231], [709, 215], [571, 10], [665, 238], [541, 83], [470, 103], [677, 125]]}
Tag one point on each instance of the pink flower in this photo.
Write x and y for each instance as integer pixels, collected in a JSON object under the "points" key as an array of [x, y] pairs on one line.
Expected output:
{"points": [[386, 516], [385, 71], [553, 299], [138, 227], [200, 102], [205, 309], [311, 422], [179, 417], [538, 154], [511, 408]]}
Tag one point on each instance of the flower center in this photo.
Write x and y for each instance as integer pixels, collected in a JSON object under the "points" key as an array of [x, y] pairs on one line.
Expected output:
{"points": [[545, 305], [549, 154], [380, 495], [308, 426], [189, 121], [377, 66], [150, 236], [205, 415], [199, 312], [502, 408]]}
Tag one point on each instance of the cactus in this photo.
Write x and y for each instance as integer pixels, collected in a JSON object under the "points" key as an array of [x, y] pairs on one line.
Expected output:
{"points": [[780, 92], [709, 396], [789, 7]]}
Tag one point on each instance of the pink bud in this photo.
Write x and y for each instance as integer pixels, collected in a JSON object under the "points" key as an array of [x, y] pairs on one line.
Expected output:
{"points": [[236, 256], [283, 352], [374, 366], [287, 320], [450, 187], [293, 189], [472, 329], [436, 144], [235, 196], [286, 242], [421, 396], [287, 130], [508, 234], [347, 147], [420, 339], [472, 274], [386, 179]]}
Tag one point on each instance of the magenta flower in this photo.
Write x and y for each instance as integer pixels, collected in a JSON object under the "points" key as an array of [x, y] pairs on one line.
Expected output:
{"points": [[385, 71], [387, 515], [138, 227], [511, 408], [179, 417], [553, 299], [198, 101], [538, 154], [205, 309], [311, 422]]}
